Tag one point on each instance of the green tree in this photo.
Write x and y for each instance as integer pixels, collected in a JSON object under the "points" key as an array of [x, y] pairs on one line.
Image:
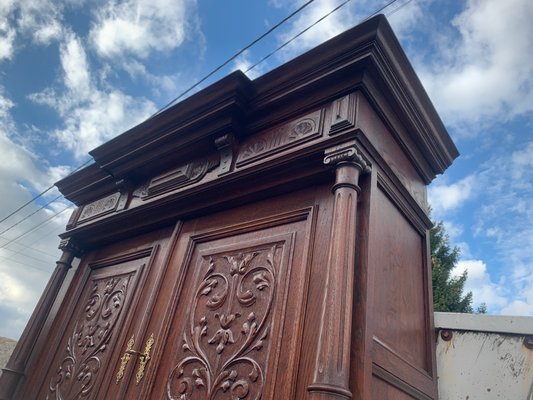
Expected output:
{"points": [[447, 290], [482, 308]]}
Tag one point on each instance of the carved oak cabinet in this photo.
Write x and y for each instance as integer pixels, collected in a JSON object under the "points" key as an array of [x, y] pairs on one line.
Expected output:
{"points": [[262, 239]]}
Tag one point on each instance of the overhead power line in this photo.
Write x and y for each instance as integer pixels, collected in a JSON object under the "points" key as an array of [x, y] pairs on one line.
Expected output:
{"points": [[317, 22], [24, 248], [11, 257], [28, 216], [35, 227], [170, 103], [297, 35], [182, 94], [196, 85], [398, 8], [25, 264], [43, 193]]}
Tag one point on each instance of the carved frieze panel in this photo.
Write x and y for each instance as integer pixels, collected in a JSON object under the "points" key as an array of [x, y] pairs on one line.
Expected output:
{"points": [[282, 137], [182, 176], [99, 207], [86, 349], [225, 346]]}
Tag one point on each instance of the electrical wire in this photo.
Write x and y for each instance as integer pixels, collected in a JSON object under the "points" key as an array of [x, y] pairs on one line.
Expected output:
{"points": [[43, 192], [28, 216], [25, 264], [297, 35], [10, 257], [194, 86], [397, 8], [170, 103], [181, 95], [311, 26], [23, 247], [377, 11], [35, 227]]}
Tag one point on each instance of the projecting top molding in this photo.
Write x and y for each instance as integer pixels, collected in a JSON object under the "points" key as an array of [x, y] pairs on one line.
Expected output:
{"points": [[367, 59]]}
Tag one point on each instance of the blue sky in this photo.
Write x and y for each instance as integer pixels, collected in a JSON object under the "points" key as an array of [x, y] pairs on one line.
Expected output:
{"points": [[74, 74]]}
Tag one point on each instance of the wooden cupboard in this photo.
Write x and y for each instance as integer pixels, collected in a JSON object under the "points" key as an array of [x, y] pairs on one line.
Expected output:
{"points": [[262, 239]]}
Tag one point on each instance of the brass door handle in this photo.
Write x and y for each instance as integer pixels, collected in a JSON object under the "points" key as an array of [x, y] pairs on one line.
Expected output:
{"points": [[143, 358]]}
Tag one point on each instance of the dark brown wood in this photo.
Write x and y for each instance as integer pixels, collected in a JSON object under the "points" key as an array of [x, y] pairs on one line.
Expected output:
{"points": [[332, 370], [262, 239]]}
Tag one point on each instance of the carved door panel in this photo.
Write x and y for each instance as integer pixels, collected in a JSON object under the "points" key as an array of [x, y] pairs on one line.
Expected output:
{"points": [[106, 304], [236, 317]]}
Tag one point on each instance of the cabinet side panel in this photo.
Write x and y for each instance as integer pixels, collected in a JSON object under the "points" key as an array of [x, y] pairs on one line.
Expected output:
{"points": [[383, 390], [401, 343], [388, 148], [400, 293]]}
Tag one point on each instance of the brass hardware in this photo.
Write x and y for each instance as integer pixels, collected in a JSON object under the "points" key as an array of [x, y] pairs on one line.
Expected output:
{"points": [[125, 358], [144, 358]]}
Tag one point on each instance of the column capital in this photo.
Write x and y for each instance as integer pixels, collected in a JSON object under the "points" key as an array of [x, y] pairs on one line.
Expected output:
{"points": [[70, 245], [347, 153]]}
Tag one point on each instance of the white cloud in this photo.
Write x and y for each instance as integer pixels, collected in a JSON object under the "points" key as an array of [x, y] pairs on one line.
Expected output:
{"points": [[327, 28], [342, 19], [447, 197], [166, 85], [39, 19], [518, 307], [243, 62], [91, 115], [479, 282], [25, 263], [46, 33], [138, 27], [403, 19], [453, 229], [485, 74], [504, 222], [75, 68], [7, 39]]}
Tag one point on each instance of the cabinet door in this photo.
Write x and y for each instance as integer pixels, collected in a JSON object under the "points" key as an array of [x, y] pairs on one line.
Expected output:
{"points": [[105, 301], [89, 340], [235, 321]]}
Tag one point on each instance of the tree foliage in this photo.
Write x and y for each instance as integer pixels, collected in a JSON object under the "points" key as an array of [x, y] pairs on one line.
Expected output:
{"points": [[447, 289]]}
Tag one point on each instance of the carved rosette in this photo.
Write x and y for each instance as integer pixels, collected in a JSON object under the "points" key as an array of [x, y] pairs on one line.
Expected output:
{"points": [[280, 138], [76, 375], [222, 349]]}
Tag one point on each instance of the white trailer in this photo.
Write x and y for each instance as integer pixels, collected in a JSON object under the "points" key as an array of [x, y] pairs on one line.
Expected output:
{"points": [[484, 357]]}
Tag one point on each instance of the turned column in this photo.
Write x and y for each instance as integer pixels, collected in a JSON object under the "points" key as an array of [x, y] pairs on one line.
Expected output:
{"points": [[332, 368], [15, 369]]}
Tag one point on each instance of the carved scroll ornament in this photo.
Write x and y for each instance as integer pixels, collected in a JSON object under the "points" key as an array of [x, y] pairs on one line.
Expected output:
{"points": [[87, 346], [99, 207], [228, 328]]}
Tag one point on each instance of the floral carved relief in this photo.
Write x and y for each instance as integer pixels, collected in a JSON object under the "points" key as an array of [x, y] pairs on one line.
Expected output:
{"points": [[87, 346], [279, 138], [223, 348]]}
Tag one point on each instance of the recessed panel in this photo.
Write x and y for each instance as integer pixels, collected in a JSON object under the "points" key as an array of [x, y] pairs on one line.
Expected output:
{"points": [[400, 295], [236, 332]]}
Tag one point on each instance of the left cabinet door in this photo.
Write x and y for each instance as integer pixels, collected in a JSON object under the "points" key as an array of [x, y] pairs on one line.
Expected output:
{"points": [[105, 306]]}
